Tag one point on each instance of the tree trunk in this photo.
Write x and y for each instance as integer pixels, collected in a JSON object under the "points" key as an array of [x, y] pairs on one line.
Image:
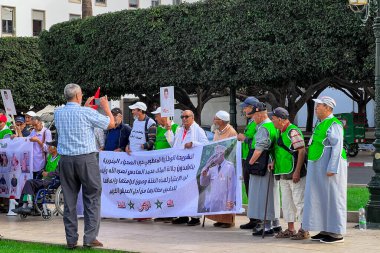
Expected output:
{"points": [[198, 111], [361, 106], [86, 8], [310, 115]]}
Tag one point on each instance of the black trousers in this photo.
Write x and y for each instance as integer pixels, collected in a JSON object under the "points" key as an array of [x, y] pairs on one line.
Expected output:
{"points": [[32, 186], [74, 172], [245, 176]]}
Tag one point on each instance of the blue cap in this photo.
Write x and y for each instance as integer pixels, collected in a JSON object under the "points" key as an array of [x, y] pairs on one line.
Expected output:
{"points": [[249, 101], [20, 119], [258, 107], [279, 112]]}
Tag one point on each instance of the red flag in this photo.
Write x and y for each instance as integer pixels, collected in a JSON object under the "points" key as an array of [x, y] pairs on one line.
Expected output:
{"points": [[96, 96]]}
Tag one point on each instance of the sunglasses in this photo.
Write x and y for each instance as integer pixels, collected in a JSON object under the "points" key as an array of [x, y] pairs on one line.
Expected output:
{"points": [[185, 116]]}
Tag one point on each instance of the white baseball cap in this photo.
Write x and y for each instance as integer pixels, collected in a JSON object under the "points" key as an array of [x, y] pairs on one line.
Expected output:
{"points": [[219, 149], [157, 111], [31, 114], [325, 100], [138, 105]]}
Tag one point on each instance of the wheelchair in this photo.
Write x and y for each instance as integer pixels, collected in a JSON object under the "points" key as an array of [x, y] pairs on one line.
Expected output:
{"points": [[48, 202]]}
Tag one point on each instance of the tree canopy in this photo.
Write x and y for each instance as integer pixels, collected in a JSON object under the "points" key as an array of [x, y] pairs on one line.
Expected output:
{"points": [[284, 50], [23, 71]]}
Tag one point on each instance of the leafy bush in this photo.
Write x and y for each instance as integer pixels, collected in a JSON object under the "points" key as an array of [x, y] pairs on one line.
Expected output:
{"points": [[22, 70]]}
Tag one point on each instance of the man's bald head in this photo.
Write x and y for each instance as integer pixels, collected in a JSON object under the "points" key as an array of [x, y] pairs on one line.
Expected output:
{"points": [[189, 112], [187, 118]]}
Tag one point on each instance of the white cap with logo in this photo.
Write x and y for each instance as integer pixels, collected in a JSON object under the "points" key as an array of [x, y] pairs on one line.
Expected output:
{"points": [[31, 114], [326, 100], [219, 149], [157, 111], [138, 105]]}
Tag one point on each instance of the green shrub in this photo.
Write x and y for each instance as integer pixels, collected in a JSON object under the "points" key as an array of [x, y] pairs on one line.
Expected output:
{"points": [[22, 70]]}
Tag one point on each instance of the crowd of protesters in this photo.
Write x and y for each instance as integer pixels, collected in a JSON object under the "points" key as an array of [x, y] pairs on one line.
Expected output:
{"points": [[312, 178]]}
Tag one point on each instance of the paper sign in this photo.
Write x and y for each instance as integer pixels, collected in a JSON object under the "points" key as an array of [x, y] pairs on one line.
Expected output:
{"points": [[167, 101], [8, 102]]}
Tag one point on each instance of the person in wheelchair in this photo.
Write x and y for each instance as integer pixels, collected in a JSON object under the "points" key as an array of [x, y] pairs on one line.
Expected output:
{"points": [[32, 186]]}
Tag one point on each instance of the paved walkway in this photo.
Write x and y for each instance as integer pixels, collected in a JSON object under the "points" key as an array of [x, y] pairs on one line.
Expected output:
{"points": [[363, 156], [149, 236]]}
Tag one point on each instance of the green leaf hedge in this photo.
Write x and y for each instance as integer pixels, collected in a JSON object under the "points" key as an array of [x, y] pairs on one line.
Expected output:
{"points": [[23, 71]]}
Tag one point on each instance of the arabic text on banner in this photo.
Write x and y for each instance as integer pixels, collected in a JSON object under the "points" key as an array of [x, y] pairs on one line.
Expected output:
{"points": [[169, 182]]}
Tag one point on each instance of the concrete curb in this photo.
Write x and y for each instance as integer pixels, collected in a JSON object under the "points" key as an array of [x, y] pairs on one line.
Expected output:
{"points": [[352, 216], [359, 164]]}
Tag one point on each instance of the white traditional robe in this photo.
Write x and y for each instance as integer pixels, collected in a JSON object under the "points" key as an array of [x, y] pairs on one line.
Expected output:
{"points": [[195, 134], [325, 197], [221, 186]]}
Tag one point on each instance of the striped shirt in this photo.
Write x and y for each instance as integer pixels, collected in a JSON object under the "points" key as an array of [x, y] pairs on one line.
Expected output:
{"points": [[75, 128], [296, 138]]}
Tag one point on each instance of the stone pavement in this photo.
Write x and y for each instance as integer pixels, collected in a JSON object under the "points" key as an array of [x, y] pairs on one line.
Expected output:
{"points": [[159, 237]]}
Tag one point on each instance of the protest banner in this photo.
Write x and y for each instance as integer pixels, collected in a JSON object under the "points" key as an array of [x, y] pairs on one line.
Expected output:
{"points": [[16, 166], [172, 182], [167, 101]]}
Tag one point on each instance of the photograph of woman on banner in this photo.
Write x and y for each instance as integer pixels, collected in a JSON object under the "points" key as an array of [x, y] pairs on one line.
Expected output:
{"points": [[3, 159], [218, 180], [3, 185], [14, 162], [14, 184], [25, 163]]}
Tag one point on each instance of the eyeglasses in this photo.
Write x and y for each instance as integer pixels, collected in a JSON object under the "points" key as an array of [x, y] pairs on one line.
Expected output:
{"points": [[185, 116]]}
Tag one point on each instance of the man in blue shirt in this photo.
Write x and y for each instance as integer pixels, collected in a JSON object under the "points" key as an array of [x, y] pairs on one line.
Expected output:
{"points": [[117, 138], [79, 166]]}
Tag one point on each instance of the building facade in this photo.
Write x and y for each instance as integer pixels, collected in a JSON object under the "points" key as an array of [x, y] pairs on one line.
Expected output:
{"points": [[26, 18]]}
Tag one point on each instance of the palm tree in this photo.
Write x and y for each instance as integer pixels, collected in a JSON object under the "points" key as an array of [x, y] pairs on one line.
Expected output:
{"points": [[86, 8]]}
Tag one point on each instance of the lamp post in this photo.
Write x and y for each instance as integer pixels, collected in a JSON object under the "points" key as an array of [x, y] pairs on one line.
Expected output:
{"points": [[373, 205], [233, 106]]}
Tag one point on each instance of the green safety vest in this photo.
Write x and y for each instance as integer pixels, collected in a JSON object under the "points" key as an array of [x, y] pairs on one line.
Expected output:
{"points": [[161, 142], [51, 165], [317, 147], [249, 132], [5, 132], [284, 160], [273, 134]]}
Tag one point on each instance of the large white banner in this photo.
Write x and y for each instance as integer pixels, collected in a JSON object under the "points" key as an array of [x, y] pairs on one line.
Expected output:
{"points": [[172, 182], [16, 166]]}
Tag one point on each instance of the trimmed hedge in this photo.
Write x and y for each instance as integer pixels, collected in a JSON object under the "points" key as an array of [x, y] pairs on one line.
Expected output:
{"points": [[23, 71], [210, 44]]}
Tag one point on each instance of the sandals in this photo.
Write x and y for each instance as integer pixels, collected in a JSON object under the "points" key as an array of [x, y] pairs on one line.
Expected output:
{"points": [[285, 234], [301, 235]]}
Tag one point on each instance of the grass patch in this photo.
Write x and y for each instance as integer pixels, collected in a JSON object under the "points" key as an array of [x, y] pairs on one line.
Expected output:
{"points": [[356, 197], [10, 246], [245, 198]]}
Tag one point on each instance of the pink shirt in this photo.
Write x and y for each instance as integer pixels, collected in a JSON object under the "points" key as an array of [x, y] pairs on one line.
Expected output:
{"points": [[39, 154]]}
